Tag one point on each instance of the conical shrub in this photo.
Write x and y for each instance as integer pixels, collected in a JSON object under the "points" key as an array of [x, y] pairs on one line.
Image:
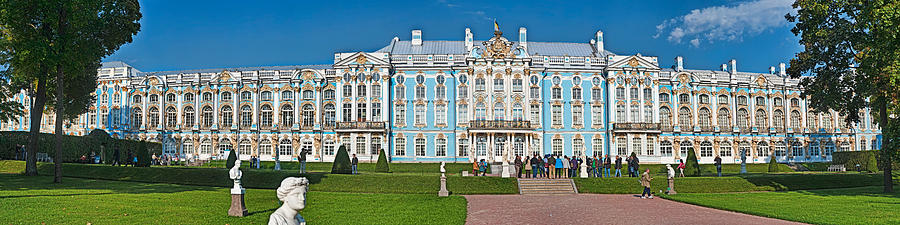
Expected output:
{"points": [[382, 166], [691, 167], [341, 163]]}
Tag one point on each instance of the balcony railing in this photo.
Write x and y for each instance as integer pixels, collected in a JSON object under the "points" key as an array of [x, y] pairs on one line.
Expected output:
{"points": [[360, 125], [707, 128], [666, 127], [636, 126], [745, 129], [725, 128], [779, 130], [499, 124]]}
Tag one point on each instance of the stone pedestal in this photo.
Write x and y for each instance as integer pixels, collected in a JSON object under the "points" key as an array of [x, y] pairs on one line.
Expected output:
{"points": [[505, 173], [671, 190], [443, 192], [743, 167], [237, 203]]}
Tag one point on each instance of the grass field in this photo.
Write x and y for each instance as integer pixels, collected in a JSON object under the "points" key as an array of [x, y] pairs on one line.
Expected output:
{"points": [[862, 205], [36, 200], [747, 183]]}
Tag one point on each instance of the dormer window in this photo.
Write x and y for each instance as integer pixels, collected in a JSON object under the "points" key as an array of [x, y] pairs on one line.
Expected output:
{"points": [[266, 96], [246, 96]]}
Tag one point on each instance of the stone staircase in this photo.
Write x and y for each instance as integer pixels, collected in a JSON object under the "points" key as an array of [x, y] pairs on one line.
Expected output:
{"points": [[547, 186]]}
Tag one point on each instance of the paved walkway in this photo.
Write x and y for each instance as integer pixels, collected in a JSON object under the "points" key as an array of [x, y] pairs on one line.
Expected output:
{"points": [[592, 209]]}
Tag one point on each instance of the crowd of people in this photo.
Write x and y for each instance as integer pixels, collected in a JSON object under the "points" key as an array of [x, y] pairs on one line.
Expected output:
{"points": [[562, 166]]}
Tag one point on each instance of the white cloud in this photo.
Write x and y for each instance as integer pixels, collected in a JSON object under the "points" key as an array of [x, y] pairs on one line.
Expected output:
{"points": [[727, 22]]}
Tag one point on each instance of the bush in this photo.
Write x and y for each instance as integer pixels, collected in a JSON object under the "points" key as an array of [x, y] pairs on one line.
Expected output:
{"points": [[230, 161], [73, 146], [341, 162], [851, 158], [143, 155], [691, 167], [773, 165], [872, 164], [382, 165]]}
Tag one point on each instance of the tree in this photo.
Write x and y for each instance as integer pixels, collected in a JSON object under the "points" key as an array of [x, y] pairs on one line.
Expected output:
{"points": [[849, 61], [143, 155], [382, 166], [691, 167], [54, 50], [773, 165], [9, 110], [230, 161], [341, 163]]}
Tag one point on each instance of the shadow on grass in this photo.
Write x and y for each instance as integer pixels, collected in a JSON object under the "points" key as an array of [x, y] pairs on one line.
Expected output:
{"points": [[262, 211], [18, 182]]}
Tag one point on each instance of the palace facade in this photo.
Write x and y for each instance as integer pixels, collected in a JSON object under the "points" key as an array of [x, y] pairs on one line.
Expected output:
{"points": [[458, 101]]}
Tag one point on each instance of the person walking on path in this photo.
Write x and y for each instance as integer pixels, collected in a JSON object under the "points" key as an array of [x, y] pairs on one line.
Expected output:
{"points": [[475, 168], [719, 165], [681, 167], [645, 181], [518, 166], [353, 164], [618, 166], [551, 167]]}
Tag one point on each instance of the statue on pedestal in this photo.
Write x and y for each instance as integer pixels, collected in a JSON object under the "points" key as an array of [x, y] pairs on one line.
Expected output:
{"points": [[443, 192], [292, 193], [584, 173], [743, 161], [671, 176], [237, 192]]}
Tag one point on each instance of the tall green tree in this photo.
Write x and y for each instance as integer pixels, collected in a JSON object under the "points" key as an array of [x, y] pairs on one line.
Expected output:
{"points": [[10, 110], [850, 61], [55, 49]]}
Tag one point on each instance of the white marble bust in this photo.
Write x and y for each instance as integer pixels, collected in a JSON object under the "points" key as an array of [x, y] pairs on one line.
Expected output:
{"points": [[671, 171], [293, 193], [235, 174]]}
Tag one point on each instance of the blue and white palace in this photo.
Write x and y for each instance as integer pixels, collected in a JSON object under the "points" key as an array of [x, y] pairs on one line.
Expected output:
{"points": [[458, 101]]}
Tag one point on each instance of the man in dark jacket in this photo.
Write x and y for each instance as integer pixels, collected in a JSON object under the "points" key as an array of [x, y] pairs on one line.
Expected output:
{"points": [[630, 166], [535, 164], [618, 166], [551, 165], [606, 165], [637, 166], [353, 163], [719, 165]]}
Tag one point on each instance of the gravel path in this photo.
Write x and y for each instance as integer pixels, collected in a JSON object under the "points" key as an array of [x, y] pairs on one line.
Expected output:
{"points": [[593, 209]]}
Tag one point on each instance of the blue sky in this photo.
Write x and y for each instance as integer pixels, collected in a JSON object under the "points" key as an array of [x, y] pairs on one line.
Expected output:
{"points": [[179, 35]]}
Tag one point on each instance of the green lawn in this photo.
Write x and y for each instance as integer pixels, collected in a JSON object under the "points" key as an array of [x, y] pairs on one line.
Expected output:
{"points": [[36, 200], [745, 183], [862, 205]]}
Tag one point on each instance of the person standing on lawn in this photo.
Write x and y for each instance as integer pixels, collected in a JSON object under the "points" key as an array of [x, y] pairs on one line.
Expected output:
{"points": [[607, 164], [535, 163], [518, 164], [719, 165], [637, 165], [573, 164], [559, 167], [681, 167], [590, 166], [618, 166], [353, 164], [566, 167], [630, 169], [645, 181], [302, 160]]}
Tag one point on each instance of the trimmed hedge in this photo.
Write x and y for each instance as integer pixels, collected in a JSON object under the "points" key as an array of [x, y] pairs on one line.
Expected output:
{"points": [[773, 182], [382, 166], [773, 165], [341, 162], [691, 167], [73, 146]]}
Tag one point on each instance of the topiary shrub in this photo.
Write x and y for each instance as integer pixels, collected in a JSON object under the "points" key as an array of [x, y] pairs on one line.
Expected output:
{"points": [[872, 164], [230, 161], [382, 165], [691, 167], [143, 155], [773, 165], [341, 163]]}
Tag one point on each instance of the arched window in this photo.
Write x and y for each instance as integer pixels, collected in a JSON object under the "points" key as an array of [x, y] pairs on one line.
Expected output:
{"points": [[246, 116], [814, 149], [329, 115], [189, 97], [188, 117], [704, 99], [309, 115], [224, 148], [780, 149], [684, 147], [136, 99], [706, 149], [725, 149], [663, 97], [812, 120], [289, 95], [244, 147], [207, 115], [703, 117], [795, 119], [284, 148], [724, 118], [778, 118], [246, 96], [499, 111], [287, 116], [265, 116], [761, 101], [742, 100], [723, 99], [227, 117], [153, 118], [480, 111], [136, 117], [206, 147], [518, 113], [827, 121], [171, 117], [207, 97], [762, 149], [665, 117], [761, 119], [226, 96], [684, 117], [170, 97], [796, 149], [745, 148], [665, 148], [265, 148]]}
